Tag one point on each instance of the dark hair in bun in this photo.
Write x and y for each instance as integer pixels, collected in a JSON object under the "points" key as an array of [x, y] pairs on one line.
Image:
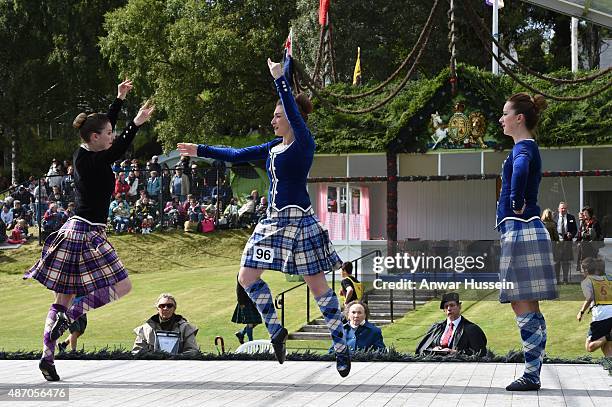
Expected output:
{"points": [[303, 103], [530, 107], [88, 124]]}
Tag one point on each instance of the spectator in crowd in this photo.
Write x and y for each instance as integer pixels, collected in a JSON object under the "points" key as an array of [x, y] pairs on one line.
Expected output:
{"points": [[52, 219], [132, 194], [455, 334], [166, 320], [121, 185], [179, 184], [70, 210], [19, 234], [173, 211], [118, 199], [551, 228], [121, 217], [116, 167], [144, 209], [154, 164], [223, 193], [19, 212], [351, 289], [126, 167], [231, 213], [154, 185], [147, 225], [211, 208], [54, 175], [205, 189], [360, 334], [597, 290], [77, 329], [142, 179], [68, 186], [165, 185], [589, 235], [56, 195], [567, 229], [245, 313], [7, 216], [194, 212], [262, 208], [185, 164], [246, 213], [23, 195], [41, 201]]}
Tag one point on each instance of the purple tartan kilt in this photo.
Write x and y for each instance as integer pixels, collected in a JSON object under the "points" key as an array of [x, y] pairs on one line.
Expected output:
{"points": [[300, 244], [526, 261], [78, 259]]}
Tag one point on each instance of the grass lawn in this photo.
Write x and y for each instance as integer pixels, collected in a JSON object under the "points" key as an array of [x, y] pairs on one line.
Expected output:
{"points": [[200, 271]]}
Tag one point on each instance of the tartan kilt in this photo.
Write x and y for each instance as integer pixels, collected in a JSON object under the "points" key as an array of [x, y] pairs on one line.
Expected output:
{"points": [[526, 261], [246, 314], [299, 242], [77, 259]]}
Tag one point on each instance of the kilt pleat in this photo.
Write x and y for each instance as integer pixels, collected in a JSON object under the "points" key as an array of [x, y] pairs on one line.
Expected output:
{"points": [[77, 259], [526, 261], [300, 244]]}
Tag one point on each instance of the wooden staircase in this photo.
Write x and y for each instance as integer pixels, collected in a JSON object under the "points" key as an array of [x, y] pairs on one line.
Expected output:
{"points": [[380, 312]]}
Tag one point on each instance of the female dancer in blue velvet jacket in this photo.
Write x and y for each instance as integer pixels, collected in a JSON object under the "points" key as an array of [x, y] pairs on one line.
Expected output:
{"points": [[526, 258], [290, 239]]}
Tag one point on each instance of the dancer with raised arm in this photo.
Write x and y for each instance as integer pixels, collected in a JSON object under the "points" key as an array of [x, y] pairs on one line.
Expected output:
{"points": [[78, 260], [290, 239]]}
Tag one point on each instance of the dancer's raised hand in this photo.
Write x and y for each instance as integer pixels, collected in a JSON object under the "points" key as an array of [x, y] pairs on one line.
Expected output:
{"points": [[144, 114], [187, 149], [276, 69], [123, 88]]}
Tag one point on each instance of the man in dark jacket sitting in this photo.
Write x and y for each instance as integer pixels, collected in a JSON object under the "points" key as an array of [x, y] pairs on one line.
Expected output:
{"points": [[455, 334]]}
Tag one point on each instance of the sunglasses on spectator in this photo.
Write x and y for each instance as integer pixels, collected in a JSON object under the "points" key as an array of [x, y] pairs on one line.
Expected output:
{"points": [[163, 306]]}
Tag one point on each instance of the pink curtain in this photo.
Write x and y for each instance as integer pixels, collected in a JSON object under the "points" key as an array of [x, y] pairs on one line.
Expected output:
{"points": [[322, 204], [365, 211]]}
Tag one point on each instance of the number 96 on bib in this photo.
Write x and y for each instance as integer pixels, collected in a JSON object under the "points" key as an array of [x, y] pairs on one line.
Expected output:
{"points": [[263, 254]]}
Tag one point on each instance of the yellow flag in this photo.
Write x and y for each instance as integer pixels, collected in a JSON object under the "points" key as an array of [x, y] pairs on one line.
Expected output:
{"points": [[357, 73]]}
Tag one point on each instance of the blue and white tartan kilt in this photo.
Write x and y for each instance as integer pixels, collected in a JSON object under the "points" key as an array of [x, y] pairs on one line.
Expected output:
{"points": [[298, 242], [526, 261], [77, 259]]}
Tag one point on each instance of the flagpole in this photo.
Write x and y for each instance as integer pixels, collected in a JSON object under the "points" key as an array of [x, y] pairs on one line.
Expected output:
{"points": [[495, 33]]}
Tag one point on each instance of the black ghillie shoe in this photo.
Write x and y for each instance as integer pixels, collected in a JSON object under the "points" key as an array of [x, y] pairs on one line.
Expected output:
{"points": [[343, 362], [523, 384], [48, 371], [240, 337], [59, 327], [278, 343]]}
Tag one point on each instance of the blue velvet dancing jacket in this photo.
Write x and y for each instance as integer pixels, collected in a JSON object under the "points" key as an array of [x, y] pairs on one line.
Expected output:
{"points": [[288, 166], [521, 176]]}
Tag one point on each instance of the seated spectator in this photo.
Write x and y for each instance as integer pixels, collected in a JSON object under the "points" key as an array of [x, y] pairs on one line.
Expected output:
{"points": [[262, 208], [194, 211], [147, 225], [231, 213], [118, 199], [597, 290], [174, 212], [6, 215], [211, 208], [70, 210], [246, 213], [19, 234], [144, 209], [19, 212], [455, 334], [359, 333], [166, 320], [52, 219], [121, 217]]}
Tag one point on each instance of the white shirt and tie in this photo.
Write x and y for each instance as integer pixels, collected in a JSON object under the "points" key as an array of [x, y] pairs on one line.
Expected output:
{"points": [[455, 324], [562, 225]]}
